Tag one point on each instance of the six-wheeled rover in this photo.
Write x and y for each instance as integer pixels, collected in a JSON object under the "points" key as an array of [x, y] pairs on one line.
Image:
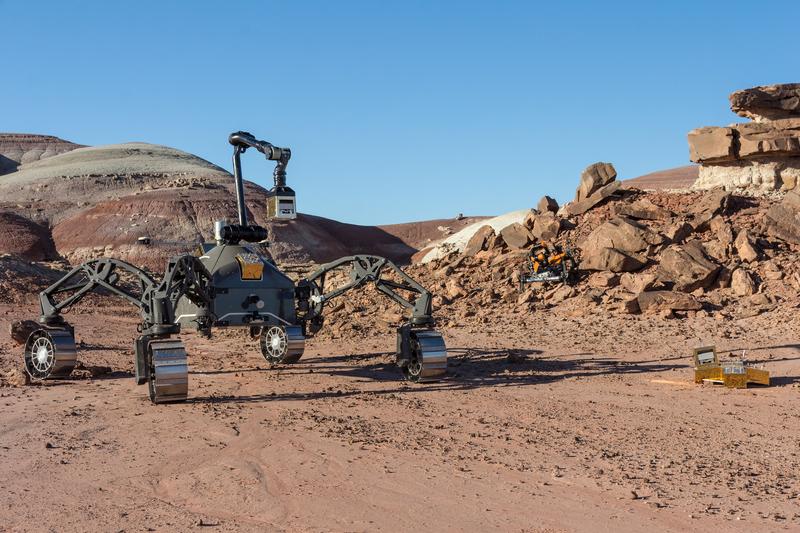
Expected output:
{"points": [[227, 284]]}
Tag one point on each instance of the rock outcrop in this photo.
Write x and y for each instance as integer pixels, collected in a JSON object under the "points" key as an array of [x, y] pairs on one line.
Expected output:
{"points": [[760, 156], [767, 102]]}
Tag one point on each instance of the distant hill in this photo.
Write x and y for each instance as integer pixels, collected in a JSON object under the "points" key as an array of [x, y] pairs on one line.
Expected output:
{"points": [[20, 148], [672, 178]]}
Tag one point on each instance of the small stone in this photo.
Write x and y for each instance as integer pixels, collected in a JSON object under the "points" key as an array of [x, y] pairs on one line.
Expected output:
{"points": [[745, 248], [741, 283]]}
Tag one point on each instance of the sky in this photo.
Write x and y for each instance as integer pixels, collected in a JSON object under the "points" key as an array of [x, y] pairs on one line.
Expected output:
{"points": [[396, 111]]}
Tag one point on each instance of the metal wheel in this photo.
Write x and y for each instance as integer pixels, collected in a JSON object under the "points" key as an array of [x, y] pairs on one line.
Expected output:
{"points": [[50, 354], [282, 344], [168, 371], [428, 360]]}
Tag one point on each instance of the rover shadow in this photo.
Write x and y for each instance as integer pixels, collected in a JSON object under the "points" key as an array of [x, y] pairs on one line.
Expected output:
{"points": [[472, 368], [201, 372], [102, 376], [89, 347], [469, 368]]}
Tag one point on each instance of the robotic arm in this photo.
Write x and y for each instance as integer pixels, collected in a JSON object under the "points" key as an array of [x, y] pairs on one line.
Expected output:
{"points": [[241, 141]]}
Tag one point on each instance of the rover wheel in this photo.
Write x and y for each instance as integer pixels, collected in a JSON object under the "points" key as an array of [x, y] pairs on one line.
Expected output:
{"points": [[282, 344], [50, 353], [428, 357], [168, 371]]}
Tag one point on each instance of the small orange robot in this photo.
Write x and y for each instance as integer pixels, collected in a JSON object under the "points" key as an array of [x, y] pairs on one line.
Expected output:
{"points": [[548, 264]]}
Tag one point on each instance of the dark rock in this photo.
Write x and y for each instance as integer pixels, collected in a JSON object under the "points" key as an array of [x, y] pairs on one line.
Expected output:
{"points": [[21, 329], [547, 204], [687, 267], [658, 301]]}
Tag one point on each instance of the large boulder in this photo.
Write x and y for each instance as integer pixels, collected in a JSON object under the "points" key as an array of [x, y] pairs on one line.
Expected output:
{"points": [[593, 178], [767, 102], [687, 267], [479, 241], [623, 234], [637, 283], [712, 204], [657, 301], [614, 245], [516, 236]]}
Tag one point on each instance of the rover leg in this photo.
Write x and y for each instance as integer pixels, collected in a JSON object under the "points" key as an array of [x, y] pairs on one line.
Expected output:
{"points": [[167, 371], [50, 353], [282, 344], [421, 354]]}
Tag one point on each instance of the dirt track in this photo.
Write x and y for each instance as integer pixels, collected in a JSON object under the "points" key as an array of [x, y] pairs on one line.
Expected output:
{"points": [[592, 430]]}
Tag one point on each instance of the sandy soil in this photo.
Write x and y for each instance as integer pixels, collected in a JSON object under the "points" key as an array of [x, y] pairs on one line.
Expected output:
{"points": [[545, 424]]}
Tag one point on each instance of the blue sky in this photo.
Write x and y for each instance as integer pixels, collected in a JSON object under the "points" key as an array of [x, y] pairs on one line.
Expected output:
{"points": [[396, 111]]}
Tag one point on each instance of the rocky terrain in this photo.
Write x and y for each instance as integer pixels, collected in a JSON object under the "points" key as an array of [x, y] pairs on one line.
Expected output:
{"points": [[759, 156], [671, 254], [566, 408]]}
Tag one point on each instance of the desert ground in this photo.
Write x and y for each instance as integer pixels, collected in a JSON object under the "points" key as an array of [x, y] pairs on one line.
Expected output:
{"points": [[566, 407], [545, 423]]}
